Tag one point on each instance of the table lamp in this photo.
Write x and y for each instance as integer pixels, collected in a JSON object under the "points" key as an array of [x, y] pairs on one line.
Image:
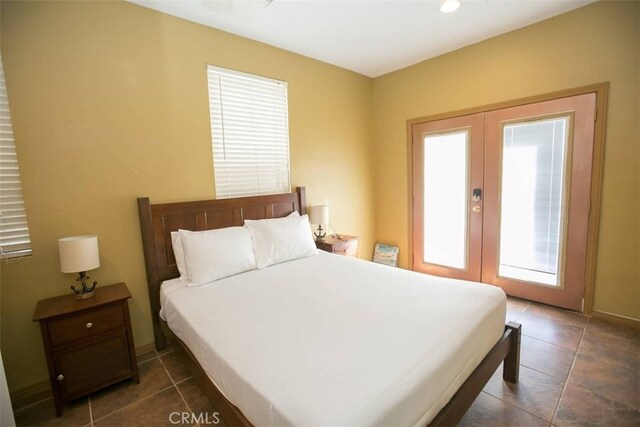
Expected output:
{"points": [[319, 215], [79, 254]]}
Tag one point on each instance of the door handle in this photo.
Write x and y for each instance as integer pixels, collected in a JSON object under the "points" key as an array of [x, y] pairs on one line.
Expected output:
{"points": [[476, 194]]}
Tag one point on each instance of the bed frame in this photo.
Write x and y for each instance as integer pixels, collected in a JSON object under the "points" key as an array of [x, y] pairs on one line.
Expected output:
{"points": [[158, 221]]}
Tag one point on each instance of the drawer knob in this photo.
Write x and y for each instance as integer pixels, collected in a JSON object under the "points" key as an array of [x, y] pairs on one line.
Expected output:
{"points": [[89, 325], [60, 377]]}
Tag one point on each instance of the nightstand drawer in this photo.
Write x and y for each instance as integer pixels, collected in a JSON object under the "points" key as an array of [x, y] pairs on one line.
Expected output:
{"points": [[86, 324]]}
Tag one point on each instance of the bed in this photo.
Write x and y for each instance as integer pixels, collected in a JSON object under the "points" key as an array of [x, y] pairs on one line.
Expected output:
{"points": [[324, 340]]}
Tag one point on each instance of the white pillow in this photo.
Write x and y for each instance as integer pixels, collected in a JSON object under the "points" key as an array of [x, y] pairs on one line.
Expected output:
{"points": [[281, 239], [178, 253], [214, 254]]}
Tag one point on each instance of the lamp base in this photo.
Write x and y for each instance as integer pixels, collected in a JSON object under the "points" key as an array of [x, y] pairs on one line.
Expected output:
{"points": [[85, 291], [85, 295], [320, 234]]}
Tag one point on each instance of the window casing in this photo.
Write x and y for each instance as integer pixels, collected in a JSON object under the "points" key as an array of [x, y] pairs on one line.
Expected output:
{"points": [[249, 133], [14, 231]]}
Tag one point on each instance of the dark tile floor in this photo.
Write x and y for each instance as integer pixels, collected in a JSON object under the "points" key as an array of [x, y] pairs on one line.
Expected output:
{"points": [[575, 371]]}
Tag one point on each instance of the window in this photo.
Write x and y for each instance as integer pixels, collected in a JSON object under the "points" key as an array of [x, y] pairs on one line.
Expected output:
{"points": [[14, 233], [249, 133], [533, 173]]}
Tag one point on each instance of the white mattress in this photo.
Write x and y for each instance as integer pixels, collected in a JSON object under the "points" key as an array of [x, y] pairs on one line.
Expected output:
{"points": [[329, 340]]}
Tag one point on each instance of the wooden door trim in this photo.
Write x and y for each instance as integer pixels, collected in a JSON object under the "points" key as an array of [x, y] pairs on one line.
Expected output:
{"points": [[602, 94]]}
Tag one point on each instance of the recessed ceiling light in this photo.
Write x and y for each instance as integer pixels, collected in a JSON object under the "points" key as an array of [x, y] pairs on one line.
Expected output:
{"points": [[449, 6]]}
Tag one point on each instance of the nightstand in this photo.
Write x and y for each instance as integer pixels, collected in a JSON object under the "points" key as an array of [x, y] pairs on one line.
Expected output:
{"points": [[88, 343], [339, 244]]}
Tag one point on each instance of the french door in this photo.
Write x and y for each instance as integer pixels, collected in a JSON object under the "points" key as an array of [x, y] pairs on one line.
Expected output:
{"points": [[448, 157], [503, 197]]}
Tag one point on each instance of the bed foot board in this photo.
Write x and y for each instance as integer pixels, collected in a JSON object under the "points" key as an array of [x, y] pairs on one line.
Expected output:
{"points": [[507, 350], [511, 367]]}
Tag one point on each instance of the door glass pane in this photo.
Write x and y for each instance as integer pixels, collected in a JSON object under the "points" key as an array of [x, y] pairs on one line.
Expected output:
{"points": [[445, 199], [533, 168]]}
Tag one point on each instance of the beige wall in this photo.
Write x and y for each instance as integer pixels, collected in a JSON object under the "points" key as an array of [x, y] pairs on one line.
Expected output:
{"points": [[596, 43], [109, 102]]}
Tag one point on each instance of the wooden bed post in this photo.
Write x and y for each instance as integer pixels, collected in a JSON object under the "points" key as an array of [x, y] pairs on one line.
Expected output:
{"points": [[511, 367], [146, 225], [302, 200]]}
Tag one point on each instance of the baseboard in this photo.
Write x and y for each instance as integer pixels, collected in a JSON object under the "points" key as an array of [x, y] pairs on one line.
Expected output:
{"points": [[145, 348], [30, 395], [616, 318], [38, 392]]}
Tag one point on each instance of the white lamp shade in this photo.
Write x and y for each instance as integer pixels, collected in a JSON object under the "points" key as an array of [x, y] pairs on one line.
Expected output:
{"points": [[319, 214], [78, 253]]}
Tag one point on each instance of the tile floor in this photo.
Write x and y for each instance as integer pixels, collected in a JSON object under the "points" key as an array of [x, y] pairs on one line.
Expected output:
{"points": [[575, 371]]}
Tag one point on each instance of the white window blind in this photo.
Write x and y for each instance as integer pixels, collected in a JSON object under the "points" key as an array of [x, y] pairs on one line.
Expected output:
{"points": [[249, 133], [14, 233], [534, 156]]}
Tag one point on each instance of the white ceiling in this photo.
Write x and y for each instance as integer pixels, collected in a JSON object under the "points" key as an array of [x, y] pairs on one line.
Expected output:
{"points": [[371, 37]]}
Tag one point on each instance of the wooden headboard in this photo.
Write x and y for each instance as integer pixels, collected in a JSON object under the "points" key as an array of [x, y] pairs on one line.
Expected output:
{"points": [[158, 221]]}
